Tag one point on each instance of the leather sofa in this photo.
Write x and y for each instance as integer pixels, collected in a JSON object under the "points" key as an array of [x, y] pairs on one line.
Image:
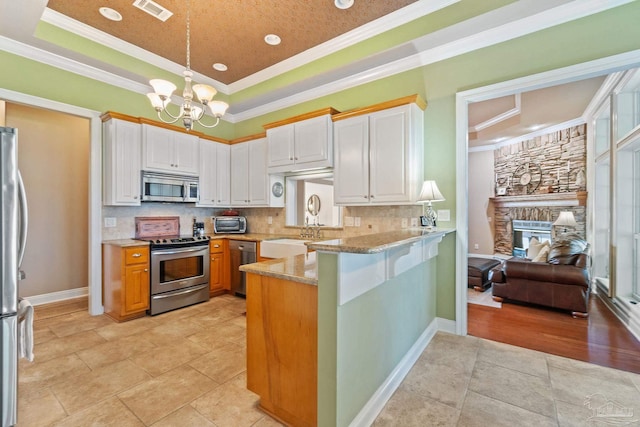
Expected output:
{"points": [[562, 282]]}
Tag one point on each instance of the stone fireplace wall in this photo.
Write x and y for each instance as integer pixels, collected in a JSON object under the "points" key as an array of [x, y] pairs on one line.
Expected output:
{"points": [[562, 158], [503, 217]]}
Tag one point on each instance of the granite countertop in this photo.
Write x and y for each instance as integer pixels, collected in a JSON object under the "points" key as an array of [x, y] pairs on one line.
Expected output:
{"points": [[379, 242], [125, 242], [298, 268]]}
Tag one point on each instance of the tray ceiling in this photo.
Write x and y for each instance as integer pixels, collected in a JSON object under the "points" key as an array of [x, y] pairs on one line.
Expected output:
{"points": [[229, 32]]}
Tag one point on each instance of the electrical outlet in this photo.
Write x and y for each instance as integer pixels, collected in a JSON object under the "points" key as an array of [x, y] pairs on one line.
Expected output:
{"points": [[348, 221], [414, 222], [269, 220], [404, 222], [110, 222], [476, 246], [357, 221]]}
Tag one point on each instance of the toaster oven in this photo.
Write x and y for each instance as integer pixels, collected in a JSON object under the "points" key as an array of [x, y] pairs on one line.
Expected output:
{"points": [[229, 224]]}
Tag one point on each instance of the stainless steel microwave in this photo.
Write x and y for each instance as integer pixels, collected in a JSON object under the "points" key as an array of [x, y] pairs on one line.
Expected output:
{"points": [[229, 224], [169, 188]]}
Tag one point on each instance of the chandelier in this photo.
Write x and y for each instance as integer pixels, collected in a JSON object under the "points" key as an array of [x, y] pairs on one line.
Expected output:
{"points": [[190, 111]]}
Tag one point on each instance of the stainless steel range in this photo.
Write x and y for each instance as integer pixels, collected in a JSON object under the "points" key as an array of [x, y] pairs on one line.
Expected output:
{"points": [[179, 264]]}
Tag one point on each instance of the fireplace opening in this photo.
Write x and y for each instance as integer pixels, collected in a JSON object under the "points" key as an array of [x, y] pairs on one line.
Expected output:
{"points": [[524, 231]]}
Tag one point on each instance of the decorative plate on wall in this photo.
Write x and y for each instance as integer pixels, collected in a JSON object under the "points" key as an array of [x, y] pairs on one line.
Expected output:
{"points": [[527, 177]]}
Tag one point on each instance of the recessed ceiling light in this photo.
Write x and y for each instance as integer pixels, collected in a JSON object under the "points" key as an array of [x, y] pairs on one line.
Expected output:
{"points": [[343, 4], [110, 14], [220, 67], [272, 39]]}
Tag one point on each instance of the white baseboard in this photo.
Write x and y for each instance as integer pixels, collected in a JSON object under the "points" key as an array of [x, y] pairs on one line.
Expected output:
{"points": [[58, 296], [376, 403], [446, 325]]}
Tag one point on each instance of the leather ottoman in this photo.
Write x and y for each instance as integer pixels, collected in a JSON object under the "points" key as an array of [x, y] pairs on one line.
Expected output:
{"points": [[479, 272]]}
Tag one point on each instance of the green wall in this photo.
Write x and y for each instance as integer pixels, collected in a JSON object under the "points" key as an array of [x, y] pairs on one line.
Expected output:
{"points": [[362, 341], [604, 34]]}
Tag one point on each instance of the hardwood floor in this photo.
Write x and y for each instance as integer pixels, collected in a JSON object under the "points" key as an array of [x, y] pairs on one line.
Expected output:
{"points": [[600, 339]]}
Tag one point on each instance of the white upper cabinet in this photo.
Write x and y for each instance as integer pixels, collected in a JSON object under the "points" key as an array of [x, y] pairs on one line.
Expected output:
{"points": [[379, 157], [299, 146], [122, 147], [165, 150], [214, 174], [249, 180], [351, 172]]}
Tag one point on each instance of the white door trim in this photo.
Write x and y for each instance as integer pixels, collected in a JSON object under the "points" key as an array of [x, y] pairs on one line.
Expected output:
{"points": [[572, 73], [95, 186]]}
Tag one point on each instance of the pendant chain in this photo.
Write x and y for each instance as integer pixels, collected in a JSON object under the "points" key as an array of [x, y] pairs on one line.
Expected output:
{"points": [[188, 36]]}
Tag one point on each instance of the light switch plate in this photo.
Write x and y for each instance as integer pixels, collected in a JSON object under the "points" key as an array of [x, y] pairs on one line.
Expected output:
{"points": [[404, 222], [110, 222], [348, 221], [444, 215], [414, 222], [357, 221]]}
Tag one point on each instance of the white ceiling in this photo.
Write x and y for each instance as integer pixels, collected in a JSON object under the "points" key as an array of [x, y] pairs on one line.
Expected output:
{"points": [[505, 120]]}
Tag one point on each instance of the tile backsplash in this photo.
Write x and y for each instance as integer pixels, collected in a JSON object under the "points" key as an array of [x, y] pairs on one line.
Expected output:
{"points": [[373, 219]]}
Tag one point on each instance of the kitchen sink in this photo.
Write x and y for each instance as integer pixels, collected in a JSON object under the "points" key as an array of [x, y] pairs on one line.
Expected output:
{"points": [[281, 248]]}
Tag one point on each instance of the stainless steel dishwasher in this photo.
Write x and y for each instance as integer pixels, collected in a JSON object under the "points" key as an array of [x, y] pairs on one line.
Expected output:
{"points": [[241, 252]]}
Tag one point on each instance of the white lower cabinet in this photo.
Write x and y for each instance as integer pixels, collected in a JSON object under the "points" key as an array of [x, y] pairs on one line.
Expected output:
{"points": [[249, 180], [214, 174], [122, 146], [379, 157]]}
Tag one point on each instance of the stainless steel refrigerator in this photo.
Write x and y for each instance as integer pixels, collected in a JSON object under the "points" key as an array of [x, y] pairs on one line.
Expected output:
{"points": [[13, 234]]}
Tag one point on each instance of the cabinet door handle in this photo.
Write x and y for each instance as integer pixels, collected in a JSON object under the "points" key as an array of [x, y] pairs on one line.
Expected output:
{"points": [[366, 197], [372, 196], [136, 255], [296, 158], [216, 246], [146, 269], [135, 197]]}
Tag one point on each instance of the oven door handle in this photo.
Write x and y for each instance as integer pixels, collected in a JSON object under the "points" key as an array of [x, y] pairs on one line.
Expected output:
{"points": [[178, 251], [173, 294]]}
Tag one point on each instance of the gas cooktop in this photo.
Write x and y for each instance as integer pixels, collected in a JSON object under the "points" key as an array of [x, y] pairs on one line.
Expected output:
{"points": [[176, 242]]}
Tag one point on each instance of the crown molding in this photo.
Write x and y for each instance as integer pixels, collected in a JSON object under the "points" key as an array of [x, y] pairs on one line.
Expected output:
{"points": [[388, 22], [526, 137], [500, 25], [52, 17], [48, 58], [500, 117], [68, 64]]}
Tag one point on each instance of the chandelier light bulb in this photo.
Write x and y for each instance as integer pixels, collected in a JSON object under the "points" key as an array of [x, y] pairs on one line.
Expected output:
{"points": [[189, 113]]}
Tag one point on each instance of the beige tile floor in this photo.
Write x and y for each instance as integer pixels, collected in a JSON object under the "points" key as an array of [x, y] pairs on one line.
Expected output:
{"points": [[187, 368]]}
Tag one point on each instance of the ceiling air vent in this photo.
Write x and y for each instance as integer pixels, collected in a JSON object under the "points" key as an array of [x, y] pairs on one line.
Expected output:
{"points": [[153, 9]]}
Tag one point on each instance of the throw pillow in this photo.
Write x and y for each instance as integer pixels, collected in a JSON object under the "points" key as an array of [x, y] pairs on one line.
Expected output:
{"points": [[535, 247], [565, 247], [543, 254]]}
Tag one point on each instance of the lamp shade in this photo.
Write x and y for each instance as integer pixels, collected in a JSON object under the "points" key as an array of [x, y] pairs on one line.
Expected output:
{"points": [[566, 219], [430, 192], [218, 108], [162, 87], [205, 93]]}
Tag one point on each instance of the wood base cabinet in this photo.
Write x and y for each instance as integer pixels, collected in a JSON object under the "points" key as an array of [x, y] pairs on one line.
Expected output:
{"points": [[282, 348], [125, 281], [219, 267]]}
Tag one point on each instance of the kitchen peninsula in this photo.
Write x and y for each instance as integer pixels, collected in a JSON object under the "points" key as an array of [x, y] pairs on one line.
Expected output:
{"points": [[331, 334]]}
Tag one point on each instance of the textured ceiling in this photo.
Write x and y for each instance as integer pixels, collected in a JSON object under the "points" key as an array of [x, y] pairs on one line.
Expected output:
{"points": [[229, 31]]}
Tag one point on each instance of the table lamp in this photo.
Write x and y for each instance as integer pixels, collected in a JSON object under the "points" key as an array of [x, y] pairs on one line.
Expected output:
{"points": [[430, 193], [566, 219]]}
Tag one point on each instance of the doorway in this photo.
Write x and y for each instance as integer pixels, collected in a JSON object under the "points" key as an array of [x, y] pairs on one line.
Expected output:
{"points": [[463, 99], [92, 252], [53, 153]]}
